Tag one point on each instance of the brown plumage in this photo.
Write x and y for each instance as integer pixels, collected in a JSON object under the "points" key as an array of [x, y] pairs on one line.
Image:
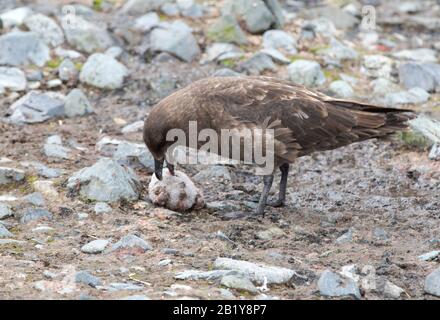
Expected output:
{"points": [[304, 121]]}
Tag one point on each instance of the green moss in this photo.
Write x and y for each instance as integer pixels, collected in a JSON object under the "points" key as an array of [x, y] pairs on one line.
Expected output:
{"points": [[228, 63], [413, 139], [97, 5], [78, 66], [54, 63], [331, 75]]}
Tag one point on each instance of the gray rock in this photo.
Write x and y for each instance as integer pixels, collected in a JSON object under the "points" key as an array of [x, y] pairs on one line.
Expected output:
{"points": [[306, 72], [425, 76], [5, 211], [43, 229], [331, 284], [12, 241], [189, 8], [77, 104], [84, 277], [345, 238], [432, 255], [42, 170], [225, 72], [164, 262], [95, 246], [226, 29], [67, 54], [67, 70], [102, 207], [239, 283], [10, 175], [377, 66], [4, 233], [15, 17], [226, 206], [340, 18], [213, 173], [105, 181], [118, 286], [420, 55], [136, 297], [270, 234], [23, 48], [213, 275], [258, 273], [175, 40], [434, 153], [146, 22], [136, 7], [114, 52], [338, 52], [136, 126], [12, 79], [320, 26], [32, 214], [103, 71], [277, 11], [380, 234], [412, 96], [131, 241], [220, 51], [134, 155], [382, 87], [170, 9], [341, 89], [276, 56], [54, 83], [46, 28], [432, 283], [36, 107], [36, 199], [256, 64], [390, 290], [84, 35], [256, 15], [53, 148], [280, 40]]}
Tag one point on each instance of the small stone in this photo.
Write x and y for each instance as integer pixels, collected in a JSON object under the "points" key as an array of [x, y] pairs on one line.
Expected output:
{"points": [[133, 127], [225, 72], [95, 246], [105, 181], [417, 75], [32, 214], [226, 29], [67, 70], [279, 40], [392, 291], [136, 297], [46, 28], [420, 55], [36, 199], [53, 148], [36, 107], [432, 255], [134, 155], [377, 66], [77, 104], [257, 64], [220, 51], [43, 229], [10, 175], [15, 17], [320, 26], [213, 275], [380, 234], [12, 79], [131, 241], [146, 22], [412, 96], [382, 87], [176, 40], [54, 83], [331, 284], [82, 215], [345, 238], [4, 233], [434, 153], [306, 72], [117, 286], [84, 277], [5, 211], [214, 173], [23, 48], [341, 89], [239, 283], [164, 262], [103, 71], [432, 283], [102, 207], [170, 9], [338, 52], [114, 52], [84, 35], [271, 233]]}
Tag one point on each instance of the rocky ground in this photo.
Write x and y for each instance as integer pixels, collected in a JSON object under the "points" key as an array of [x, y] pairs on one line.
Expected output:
{"points": [[76, 82]]}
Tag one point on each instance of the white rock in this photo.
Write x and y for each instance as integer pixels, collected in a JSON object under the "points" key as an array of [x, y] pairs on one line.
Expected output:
{"points": [[77, 104], [146, 22], [67, 70], [341, 89], [377, 66], [306, 72], [46, 28], [176, 192], [12, 79], [412, 96], [421, 55], [103, 71], [280, 40], [96, 246], [392, 291], [136, 126], [15, 17]]}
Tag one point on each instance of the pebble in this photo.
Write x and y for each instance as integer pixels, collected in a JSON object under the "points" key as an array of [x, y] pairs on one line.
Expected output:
{"points": [[131, 241], [32, 214], [12, 79], [10, 175], [306, 72], [103, 71], [4, 233], [238, 283], [432, 283], [331, 284], [5, 211], [95, 246], [77, 104], [102, 207], [432, 255], [84, 277]]}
